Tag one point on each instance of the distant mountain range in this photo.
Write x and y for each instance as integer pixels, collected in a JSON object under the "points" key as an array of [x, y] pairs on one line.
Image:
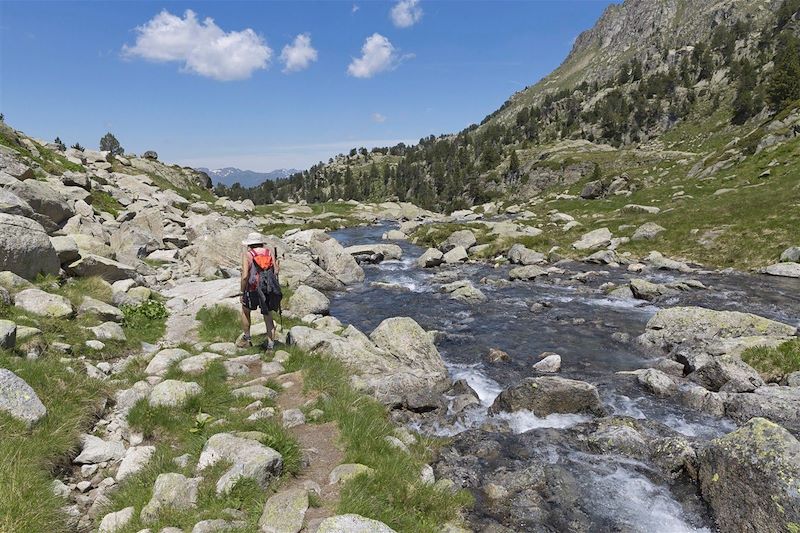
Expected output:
{"points": [[246, 178]]}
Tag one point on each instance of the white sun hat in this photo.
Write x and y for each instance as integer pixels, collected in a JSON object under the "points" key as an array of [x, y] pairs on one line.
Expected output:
{"points": [[253, 238]]}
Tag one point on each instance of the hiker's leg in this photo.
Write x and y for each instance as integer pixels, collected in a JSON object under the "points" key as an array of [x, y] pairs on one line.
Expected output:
{"points": [[270, 326], [246, 321]]}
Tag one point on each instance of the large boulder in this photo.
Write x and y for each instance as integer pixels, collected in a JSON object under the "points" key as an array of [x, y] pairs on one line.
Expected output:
{"points": [[410, 345], [51, 208], [594, 239], [284, 512], [397, 364], [171, 491], [299, 270], [549, 394], [789, 255], [784, 270], [44, 304], [457, 254], [779, 404], [750, 478], [646, 290], [593, 190], [25, 248], [431, 258], [384, 251], [520, 255], [527, 272], [352, 523], [686, 326], [173, 393], [647, 231], [248, 458], [94, 265], [729, 374], [18, 399], [464, 238], [308, 301], [337, 262], [66, 249], [8, 331], [11, 204]]}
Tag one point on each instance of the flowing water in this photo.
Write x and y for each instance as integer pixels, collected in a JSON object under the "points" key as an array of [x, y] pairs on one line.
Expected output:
{"points": [[577, 323]]}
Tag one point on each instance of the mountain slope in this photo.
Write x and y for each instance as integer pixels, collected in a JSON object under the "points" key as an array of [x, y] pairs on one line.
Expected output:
{"points": [[245, 178]]}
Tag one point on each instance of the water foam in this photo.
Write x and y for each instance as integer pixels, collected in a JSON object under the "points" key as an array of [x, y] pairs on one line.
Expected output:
{"points": [[522, 421]]}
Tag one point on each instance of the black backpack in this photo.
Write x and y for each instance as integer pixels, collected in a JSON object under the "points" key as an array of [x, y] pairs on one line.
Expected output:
{"points": [[269, 287]]}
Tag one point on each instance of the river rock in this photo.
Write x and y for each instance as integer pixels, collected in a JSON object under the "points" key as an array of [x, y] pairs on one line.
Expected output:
{"points": [[779, 404], [45, 304], [549, 363], [463, 238], [749, 478], [386, 252], [657, 382], [658, 261], [497, 356], [395, 235], [337, 262], [464, 291], [619, 438], [284, 512], [526, 272], [308, 301], [457, 254], [352, 523], [519, 254], [594, 239], [728, 374], [171, 491], [113, 522], [18, 399], [173, 393], [688, 326], [786, 270], [645, 290], [431, 258], [249, 458], [647, 231], [27, 250], [96, 450], [549, 394], [791, 255]]}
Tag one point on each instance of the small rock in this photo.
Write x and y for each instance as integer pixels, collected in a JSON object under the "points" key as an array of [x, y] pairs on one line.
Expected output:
{"points": [[284, 512], [113, 522], [551, 362], [346, 472], [96, 450], [352, 523], [172, 491], [292, 418], [497, 356]]}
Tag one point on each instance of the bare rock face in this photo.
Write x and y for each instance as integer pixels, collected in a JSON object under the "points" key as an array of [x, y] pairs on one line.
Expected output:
{"points": [[749, 478], [548, 395], [25, 248], [337, 262], [308, 300]]}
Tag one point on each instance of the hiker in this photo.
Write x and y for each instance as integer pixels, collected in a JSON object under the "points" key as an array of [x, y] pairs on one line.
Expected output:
{"points": [[260, 288]]}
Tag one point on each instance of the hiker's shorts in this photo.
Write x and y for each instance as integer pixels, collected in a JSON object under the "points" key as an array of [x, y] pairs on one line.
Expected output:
{"points": [[253, 302]]}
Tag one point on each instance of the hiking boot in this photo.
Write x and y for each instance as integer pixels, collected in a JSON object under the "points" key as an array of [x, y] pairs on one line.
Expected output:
{"points": [[243, 342], [268, 344]]}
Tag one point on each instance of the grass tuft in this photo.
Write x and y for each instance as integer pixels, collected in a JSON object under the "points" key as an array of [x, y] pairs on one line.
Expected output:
{"points": [[218, 324], [782, 360]]}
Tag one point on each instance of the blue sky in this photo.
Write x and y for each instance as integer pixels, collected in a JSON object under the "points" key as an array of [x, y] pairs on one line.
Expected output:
{"points": [[224, 93]]}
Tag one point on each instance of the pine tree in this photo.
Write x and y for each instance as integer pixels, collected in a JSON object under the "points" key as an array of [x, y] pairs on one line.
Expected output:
{"points": [[109, 143], [77, 146], [60, 144], [513, 166], [784, 86], [744, 105]]}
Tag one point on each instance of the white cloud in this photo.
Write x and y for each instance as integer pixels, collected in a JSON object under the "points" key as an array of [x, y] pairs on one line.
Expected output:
{"points": [[406, 13], [377, 55], [355, 8], [298, 55], [201, 46], [377, 117]]}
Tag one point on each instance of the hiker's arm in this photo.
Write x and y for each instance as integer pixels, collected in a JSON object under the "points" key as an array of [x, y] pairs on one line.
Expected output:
{"points": [[245, 272]]}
